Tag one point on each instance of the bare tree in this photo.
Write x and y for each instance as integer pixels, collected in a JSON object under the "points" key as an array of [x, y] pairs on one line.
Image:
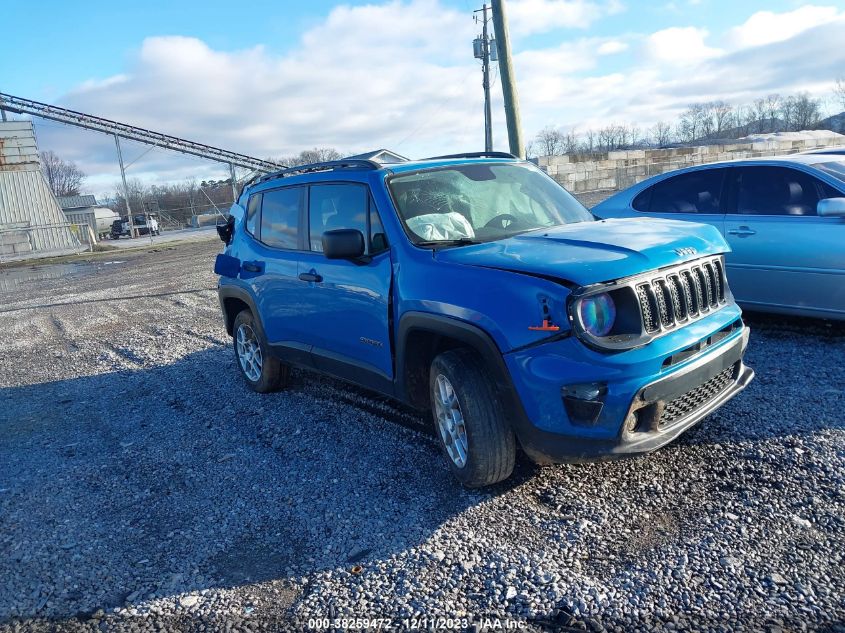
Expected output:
{"points": [[635, 137], [661, 133], [692, 123], [723, 117], [744, 120], [839, 91], [64, 177], [549, 141], [772, 105], [613, 136], [315, 155], [589, 144], [570, 142], [800, 112]]}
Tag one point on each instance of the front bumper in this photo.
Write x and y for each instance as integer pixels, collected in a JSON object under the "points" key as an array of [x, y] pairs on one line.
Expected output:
{"points": [[656, 412]]}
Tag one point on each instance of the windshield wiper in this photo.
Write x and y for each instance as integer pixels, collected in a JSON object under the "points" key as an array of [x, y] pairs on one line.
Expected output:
{"points": [[461, 241]]}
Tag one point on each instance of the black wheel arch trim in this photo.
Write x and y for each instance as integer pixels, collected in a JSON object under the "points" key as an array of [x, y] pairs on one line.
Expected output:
{"points": [[475, 338], [230, 291]]}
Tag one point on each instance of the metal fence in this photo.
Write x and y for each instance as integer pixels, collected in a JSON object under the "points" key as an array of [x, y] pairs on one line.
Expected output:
{"points": [[32, 241]]}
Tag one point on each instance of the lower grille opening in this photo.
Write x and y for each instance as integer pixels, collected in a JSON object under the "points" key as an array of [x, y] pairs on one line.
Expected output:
{"points": [[697, 397], [702, 345]]}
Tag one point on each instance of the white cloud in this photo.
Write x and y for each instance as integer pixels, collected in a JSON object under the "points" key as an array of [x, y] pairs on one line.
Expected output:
{"points": [[680, 46], [612, 47], [765, 27], [539, 16]]}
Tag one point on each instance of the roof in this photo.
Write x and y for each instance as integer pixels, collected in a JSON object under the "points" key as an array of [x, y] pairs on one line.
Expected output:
{"points": [[804, 159], [76, 202], [430, 163], [384, 156]]}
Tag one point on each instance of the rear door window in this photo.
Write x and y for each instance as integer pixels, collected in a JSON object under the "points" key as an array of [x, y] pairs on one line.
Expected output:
{"points": [[693, 192], [769, 190], [280, 213]]}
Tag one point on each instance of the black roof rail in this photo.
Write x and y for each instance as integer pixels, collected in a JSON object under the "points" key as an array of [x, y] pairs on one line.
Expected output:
{"points": [[329, 165], [473, 155]]}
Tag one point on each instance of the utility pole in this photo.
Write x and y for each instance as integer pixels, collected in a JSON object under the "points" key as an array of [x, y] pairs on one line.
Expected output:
{"points": [[500, 24], [482, 50], [132, 232]]}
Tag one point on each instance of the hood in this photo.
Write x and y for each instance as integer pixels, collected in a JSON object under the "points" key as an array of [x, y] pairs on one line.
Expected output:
{"points": [[590, 252]]}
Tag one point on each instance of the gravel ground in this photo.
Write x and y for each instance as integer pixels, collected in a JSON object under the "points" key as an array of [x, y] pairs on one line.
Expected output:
{"points": [[143, 487]]}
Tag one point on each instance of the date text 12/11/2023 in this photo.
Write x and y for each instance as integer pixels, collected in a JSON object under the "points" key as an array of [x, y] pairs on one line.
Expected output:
{"points": [[416, 624]]}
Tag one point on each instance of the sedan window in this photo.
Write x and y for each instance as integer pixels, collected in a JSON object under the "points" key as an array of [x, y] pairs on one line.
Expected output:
{"points": [[834, 168], [692, 192], [777, 191]]}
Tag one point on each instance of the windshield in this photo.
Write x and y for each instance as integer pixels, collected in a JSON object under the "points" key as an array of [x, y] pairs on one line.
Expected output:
{"points": [[481, 202], [833, 168]]}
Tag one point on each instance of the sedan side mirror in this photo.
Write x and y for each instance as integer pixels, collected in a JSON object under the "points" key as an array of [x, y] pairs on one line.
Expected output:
{"points": [[831, 208], [343, 244]]}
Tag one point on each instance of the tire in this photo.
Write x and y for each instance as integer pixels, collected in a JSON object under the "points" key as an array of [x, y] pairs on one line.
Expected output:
{"points": [[264, 373], [490, 449]]}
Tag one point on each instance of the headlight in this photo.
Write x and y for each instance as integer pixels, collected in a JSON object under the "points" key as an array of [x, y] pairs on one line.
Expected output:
{"points": [[597, 314]]}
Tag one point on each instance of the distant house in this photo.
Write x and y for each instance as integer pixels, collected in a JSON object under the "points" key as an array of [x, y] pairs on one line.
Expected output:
{"points": [[76, 202], [85, 210], [384, 156]]}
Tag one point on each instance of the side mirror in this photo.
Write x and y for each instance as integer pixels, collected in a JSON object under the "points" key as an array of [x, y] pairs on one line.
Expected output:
{"points": [[343, 244], [831, 208], [225, 231]]}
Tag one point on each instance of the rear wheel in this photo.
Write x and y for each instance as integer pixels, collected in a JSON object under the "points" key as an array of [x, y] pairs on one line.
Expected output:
{"points": [[261, 371], [479, 445]]}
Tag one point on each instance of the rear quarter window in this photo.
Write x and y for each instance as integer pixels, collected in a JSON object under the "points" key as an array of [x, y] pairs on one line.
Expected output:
{"points": [[642, 200]]}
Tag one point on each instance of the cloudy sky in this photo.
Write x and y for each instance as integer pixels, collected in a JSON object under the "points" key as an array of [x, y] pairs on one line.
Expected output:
{"points": [[273, 78]]}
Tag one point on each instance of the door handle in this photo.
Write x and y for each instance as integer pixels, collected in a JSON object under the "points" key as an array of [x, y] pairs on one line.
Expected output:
{"points": [[311, 277], [253, 267], [742, 231]]}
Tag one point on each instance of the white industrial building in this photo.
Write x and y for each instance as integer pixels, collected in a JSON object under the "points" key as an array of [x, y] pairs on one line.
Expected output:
{"points": [[31, 221]]}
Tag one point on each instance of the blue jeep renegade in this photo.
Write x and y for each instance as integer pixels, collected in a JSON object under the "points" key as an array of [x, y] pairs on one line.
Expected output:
{"points": [[476, 287]]}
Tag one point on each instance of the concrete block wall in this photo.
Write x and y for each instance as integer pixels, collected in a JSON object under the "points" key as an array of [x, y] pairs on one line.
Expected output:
{"points": [[15, 240], [18, 151], [616, 170]]}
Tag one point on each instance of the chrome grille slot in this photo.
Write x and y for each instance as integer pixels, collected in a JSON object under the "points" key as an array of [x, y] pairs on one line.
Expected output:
{"points": [[646, 307], [676, 290], [720, 279], [691, 289], [664, 301], [700, 289]]}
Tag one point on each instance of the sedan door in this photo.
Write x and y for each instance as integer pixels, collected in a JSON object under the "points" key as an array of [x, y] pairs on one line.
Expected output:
{"points": [[785, 257]]}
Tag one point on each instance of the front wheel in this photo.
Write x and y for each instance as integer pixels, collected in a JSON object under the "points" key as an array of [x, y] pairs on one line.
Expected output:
{"points": [[479, 445], [261, 371]]}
